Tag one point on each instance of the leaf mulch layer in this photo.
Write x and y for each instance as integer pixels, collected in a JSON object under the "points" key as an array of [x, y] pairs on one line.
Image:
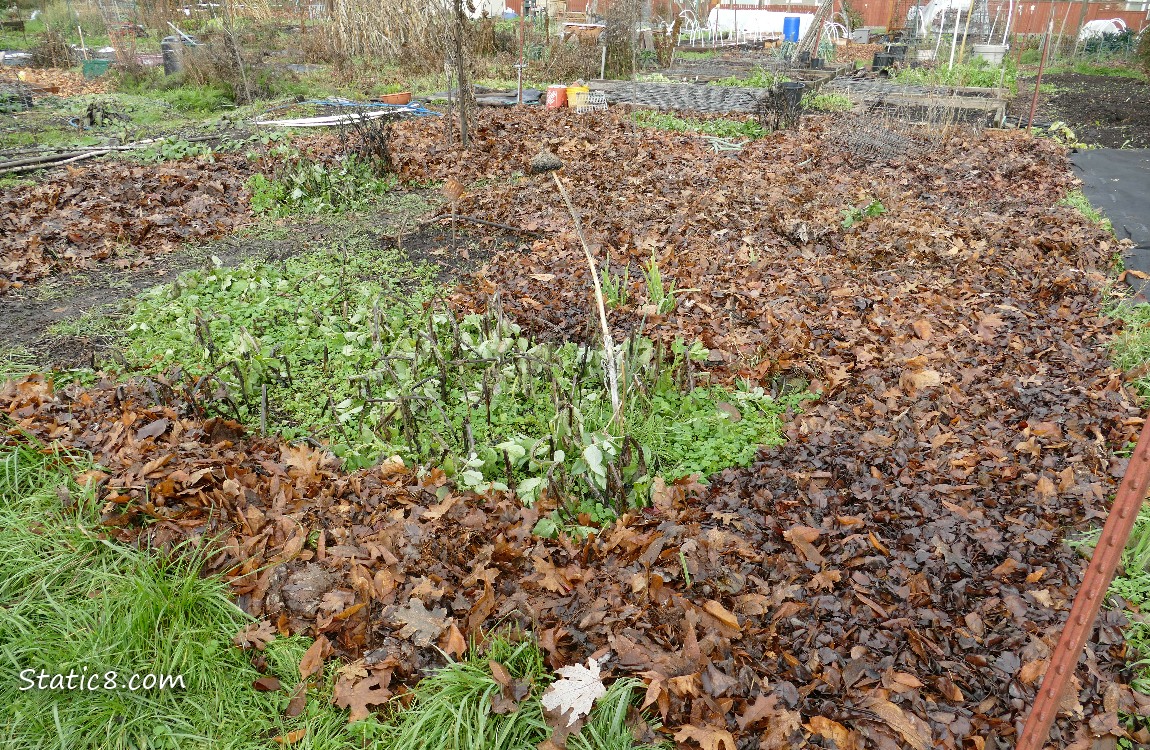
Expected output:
{"points": [[117, 212], [894, 576], [55, 81]]}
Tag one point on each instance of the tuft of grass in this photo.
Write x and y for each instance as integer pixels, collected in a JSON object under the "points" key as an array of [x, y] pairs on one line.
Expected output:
{"points": [[73, 601], [1077, 199], [1133, 585], [721, 127], [1087, 68], [1130, 350], [16, 361], [452, 708]]}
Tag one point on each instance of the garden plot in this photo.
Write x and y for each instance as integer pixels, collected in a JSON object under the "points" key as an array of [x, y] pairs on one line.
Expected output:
{"points": [[1107, 107], [889, 572]]}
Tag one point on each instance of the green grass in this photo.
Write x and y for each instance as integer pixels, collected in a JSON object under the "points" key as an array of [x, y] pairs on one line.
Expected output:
{"points": [[16, 361], [1077, 199], [1130, 350], [1087, 68], [722, 128], [683, 54], [1132, 584], [452, 709], [73, 601]]}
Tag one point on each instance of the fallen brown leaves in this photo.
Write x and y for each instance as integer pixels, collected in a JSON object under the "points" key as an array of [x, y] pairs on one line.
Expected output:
{"points": [[57, 81], [853, 586], [117, 212]]}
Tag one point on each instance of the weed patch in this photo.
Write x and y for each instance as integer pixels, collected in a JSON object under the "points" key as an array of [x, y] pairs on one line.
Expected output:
{"points": [[722, 128], [977, 73], [759, 78], [354, 348], [827, 102]]}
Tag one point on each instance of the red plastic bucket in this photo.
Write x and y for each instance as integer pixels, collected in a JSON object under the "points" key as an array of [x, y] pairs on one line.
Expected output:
{"points": [[556, 97]]}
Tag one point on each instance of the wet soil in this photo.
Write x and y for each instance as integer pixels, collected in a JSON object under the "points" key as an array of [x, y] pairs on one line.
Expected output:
{"points": [[1108, 111]]}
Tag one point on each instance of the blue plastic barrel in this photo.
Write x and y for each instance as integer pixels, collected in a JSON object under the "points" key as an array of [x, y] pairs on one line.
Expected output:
{"points": [[791, 28]]}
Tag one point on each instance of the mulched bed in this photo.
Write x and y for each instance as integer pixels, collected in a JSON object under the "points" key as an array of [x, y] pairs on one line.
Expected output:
{"points": [[894, 576], [117, 212], [1108, 111]]}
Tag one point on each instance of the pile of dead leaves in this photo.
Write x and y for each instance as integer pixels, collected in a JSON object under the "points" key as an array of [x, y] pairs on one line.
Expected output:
{"points": [[58, 82], [118, 212]]}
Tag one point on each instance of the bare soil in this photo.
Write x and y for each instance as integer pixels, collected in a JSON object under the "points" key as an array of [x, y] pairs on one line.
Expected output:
{"points": [[1108, 111]]}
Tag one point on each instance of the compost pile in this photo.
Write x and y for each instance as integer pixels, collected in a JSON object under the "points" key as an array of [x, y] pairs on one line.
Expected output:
{"points": [[117, 212], [894, 576]]}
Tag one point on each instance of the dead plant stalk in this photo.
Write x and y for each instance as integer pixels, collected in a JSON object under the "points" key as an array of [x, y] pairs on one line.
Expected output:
{"points": [[608, 343]]}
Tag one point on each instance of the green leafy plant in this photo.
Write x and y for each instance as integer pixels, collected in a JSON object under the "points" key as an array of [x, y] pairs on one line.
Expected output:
{"points": [[299, 184], [828, 102], [354, 349], [855, 214], [170, 149], [660, 293], [615, 286]]}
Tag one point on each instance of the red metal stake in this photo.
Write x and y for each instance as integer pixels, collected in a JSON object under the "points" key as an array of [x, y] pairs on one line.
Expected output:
{"points": [[1088, 601]]}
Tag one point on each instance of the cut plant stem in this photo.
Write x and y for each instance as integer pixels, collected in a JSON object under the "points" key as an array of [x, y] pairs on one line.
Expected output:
{"points": [[608, 343]]}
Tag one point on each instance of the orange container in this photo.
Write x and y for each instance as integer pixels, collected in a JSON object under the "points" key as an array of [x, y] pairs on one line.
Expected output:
{"points": [[402, 97], [556, 97]]}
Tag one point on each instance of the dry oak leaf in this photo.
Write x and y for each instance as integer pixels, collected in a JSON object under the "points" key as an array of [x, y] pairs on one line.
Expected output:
{"points": [[312, 661], [708, 737], [267, 684], [912, 729], [298, 700], [421, 625], [452, 642], [844, 739], [777, 722], [574, 694], [722, 614], [803, 538], [551, 577], [256, 635], [360, 695]]}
